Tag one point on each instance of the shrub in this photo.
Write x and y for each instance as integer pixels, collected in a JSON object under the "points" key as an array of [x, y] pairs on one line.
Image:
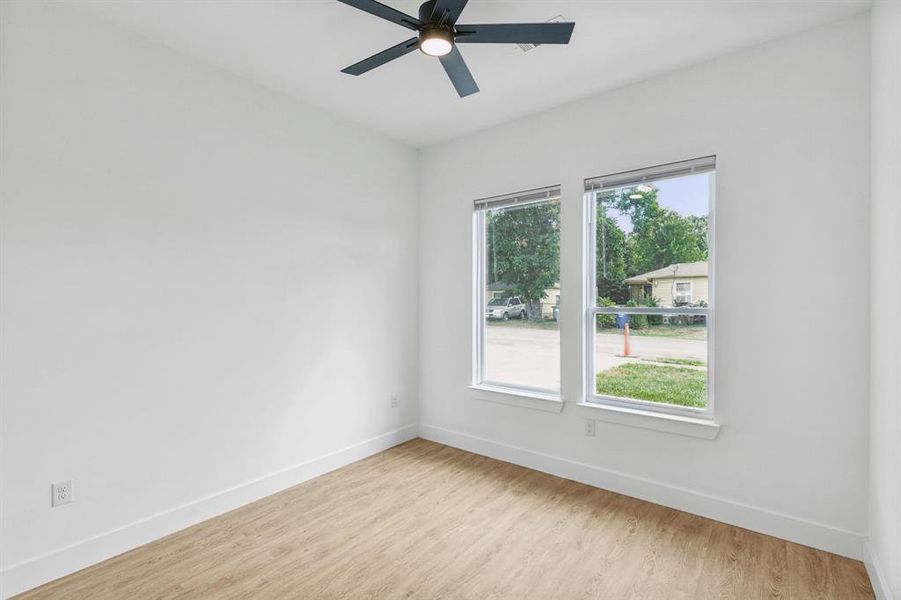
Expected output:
{"points": [[636, 321], [605, 320], [653, 320]]}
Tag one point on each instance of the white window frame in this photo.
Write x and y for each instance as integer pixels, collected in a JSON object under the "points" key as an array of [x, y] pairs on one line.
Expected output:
{"points": [[591, 310], [479, 244]]}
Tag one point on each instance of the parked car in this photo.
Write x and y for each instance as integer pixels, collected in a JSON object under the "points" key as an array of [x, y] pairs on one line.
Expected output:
{"points": [[505, 308]]}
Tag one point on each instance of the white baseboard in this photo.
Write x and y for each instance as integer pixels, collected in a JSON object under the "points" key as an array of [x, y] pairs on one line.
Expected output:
{"points": [[876, 573], [795, 529], [42, 569]]}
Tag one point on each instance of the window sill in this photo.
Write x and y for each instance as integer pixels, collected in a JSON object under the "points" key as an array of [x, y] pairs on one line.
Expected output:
{"points": [[676, 424], [516, 397]]}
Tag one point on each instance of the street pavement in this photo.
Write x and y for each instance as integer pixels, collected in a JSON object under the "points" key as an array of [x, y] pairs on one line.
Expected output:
{"points": [[528, 356]]}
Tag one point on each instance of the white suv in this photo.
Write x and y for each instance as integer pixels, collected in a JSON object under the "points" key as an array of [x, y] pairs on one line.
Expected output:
{"points": [[505, 308]]}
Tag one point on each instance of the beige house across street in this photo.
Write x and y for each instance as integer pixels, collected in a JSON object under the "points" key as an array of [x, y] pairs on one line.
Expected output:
{"points": [[674, 285]]}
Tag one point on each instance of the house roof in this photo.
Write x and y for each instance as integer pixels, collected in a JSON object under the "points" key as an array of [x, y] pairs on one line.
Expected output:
{"points": [[694, 269]]}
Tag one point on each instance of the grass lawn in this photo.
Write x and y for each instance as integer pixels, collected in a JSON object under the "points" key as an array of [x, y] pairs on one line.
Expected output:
{"points": [[687, 332], [655, 383]]}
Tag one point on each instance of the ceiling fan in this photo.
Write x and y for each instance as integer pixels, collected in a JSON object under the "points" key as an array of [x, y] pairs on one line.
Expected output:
{"points": [[438, 35]]}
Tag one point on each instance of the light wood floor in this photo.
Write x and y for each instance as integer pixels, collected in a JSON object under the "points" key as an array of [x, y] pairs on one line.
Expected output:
{"points": [[427, 521]]}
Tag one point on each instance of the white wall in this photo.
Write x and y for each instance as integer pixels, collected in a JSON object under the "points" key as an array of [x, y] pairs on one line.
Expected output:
{"points": [[204, 283], [789, 122], [885, 308]]}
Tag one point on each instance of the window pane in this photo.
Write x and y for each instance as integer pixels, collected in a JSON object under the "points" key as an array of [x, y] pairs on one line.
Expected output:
{"points": [[652, 251], [662, 358], [652, 246], [522, 280]]}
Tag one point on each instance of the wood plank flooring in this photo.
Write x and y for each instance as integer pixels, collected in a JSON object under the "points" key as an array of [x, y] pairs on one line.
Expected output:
{"points": [[424, 520]]}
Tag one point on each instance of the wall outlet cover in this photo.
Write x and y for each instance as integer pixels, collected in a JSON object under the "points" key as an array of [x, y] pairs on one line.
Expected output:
{"points": [[62, 493], [589, 427]]}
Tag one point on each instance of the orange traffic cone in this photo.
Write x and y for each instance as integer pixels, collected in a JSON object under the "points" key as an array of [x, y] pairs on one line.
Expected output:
{"points": [[627, 351]]}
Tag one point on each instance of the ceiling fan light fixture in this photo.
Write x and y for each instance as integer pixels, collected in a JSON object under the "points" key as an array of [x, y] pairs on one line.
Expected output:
{"points": [[436, 42]]}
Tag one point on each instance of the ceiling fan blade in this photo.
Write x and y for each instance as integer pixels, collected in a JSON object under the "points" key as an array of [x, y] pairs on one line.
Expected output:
{"points": [[377, 60], [459, 74], [385, 12], [515, 33], [448, 11]]}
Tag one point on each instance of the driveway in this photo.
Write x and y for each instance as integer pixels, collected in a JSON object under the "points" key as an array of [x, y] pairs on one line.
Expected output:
{"points": [[531, 357]]}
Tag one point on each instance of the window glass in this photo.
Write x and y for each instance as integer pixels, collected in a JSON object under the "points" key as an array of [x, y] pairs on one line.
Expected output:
{"points": [[652, 277], [519, 249]]}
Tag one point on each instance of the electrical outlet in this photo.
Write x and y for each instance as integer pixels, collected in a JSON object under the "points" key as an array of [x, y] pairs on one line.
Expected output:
{"points": [[589, 427], [62, 493], [393, 401]]}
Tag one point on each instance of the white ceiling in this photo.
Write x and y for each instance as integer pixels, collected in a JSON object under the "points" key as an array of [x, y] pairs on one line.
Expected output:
{"points": [[300, 46]]}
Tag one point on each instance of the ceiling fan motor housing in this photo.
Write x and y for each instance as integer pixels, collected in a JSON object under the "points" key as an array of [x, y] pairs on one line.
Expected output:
{"points": [[425, 11]]}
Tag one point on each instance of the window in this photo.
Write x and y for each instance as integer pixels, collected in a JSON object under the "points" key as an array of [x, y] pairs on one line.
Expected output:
{"points": [[650, 290], [682, 294], [517, 266]]}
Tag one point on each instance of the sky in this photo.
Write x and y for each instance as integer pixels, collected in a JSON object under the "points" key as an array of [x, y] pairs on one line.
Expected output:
{"points": [[685, 195]]}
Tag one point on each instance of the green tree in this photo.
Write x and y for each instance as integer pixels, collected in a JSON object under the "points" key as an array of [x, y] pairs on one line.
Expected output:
{"points": [[610, 258], [639, 203], [667, 239], [524, 251], [699, 228], [659, 236]]}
